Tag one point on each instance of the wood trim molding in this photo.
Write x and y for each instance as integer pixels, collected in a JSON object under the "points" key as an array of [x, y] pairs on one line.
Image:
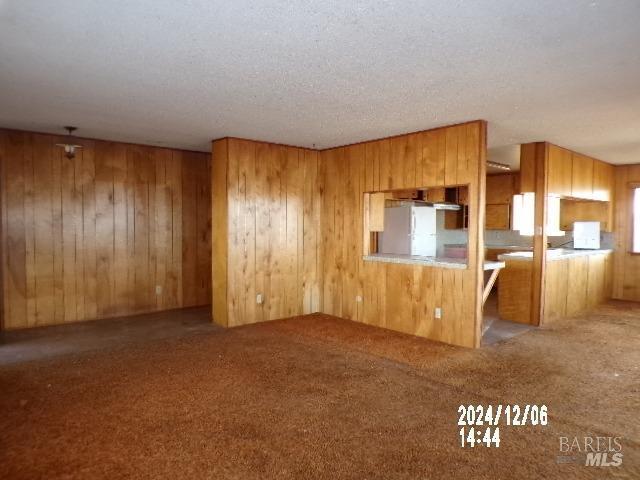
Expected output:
{"points": [[398, 135], [61, 135], [480, 222], [535, 156]]}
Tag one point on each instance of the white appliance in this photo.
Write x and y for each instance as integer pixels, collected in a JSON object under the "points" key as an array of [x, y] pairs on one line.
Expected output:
{"points": [[409, 230], [586, 235]]}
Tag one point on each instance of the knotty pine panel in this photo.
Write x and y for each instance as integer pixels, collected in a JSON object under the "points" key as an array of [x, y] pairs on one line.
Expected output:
{"points": [[91, 237]]}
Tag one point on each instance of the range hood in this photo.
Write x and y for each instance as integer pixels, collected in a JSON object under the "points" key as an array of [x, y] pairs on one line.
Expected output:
{"points": [[436, 205]]}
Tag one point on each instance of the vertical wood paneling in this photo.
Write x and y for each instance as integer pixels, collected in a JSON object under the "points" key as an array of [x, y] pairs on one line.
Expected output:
{"points": [[294, 209], [88, 250], [220, 234], [14, 271], [3, 228], [578, 272], [311, 234], [189, 231], [162, 225], [116, 228], [291, 231], [203, 226], [106, 264], [560, 171], [556, 290], [272, 239], [174, 176], [92, 237], [29, 214], [626, 265], [402, 297]]}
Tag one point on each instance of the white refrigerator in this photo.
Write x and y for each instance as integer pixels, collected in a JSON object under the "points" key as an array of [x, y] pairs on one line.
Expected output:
{"points": [[409, 230]]}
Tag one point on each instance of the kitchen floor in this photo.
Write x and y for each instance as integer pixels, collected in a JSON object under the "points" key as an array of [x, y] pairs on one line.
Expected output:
{"points": [[310, 397], [494, 329]]}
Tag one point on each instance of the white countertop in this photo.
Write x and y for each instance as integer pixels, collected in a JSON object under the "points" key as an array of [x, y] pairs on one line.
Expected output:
{"points": [[553, 254], [443, 262]]}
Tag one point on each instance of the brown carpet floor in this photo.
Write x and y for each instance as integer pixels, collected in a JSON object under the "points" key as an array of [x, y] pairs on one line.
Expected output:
{"points": [[319, 397]]}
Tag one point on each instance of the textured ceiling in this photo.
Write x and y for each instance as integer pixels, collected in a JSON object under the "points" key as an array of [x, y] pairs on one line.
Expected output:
{"points": [[325, 73]]}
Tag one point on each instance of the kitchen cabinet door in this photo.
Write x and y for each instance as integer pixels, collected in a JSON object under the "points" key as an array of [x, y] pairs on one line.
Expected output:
{"points": [[585, 211], [582, 177], [577, 293], [376, 211], [497, 216], [500, 188], [436, 195], [560, 171], [602, 181], [463, 196]]}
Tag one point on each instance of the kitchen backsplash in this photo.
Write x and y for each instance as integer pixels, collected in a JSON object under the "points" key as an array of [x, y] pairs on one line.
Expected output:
{"points": [[607, 240], [507, 237]]}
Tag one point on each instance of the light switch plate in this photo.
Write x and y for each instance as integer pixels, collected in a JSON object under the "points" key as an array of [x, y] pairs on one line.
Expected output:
{"points": [[438, 312]]}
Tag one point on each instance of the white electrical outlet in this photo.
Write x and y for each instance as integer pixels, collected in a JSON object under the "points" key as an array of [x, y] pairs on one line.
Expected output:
{"points": [[259, 299], [359, 299], [158, 289], [438, 312]]}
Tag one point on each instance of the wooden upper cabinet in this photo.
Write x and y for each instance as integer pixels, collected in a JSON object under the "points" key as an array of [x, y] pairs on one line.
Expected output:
{"points": [[560, 171], [501, 188], [497, 216], [582, 177], [569, 174], [527, 168], [376, 211], [602, 181], [436, 195], [586, 211], [463, 196]]}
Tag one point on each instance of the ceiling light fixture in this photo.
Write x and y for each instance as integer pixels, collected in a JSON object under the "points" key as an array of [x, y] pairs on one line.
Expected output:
{"points": [[499, 166], [70, 147]]}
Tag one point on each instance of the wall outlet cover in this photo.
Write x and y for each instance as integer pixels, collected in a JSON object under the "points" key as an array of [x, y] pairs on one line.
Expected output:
{"points": [[438, 312]]}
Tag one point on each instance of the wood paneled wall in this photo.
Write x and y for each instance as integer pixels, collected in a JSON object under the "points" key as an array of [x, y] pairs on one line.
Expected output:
{"points": [[289, 226], [576, 285], [403, 297], [94, 236], [534, 177], [269, 198], [626, 280], [547, 169]]}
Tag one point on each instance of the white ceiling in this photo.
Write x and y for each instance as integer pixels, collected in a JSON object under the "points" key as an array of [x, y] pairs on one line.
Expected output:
{"points": [[325, 73]]}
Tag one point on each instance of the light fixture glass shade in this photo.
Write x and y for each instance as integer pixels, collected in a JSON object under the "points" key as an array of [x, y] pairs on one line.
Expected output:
{"points": [[70, 151]]}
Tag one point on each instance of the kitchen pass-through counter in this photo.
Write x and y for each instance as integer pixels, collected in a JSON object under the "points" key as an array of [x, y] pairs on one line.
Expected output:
{"points": [[442, 262]]}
